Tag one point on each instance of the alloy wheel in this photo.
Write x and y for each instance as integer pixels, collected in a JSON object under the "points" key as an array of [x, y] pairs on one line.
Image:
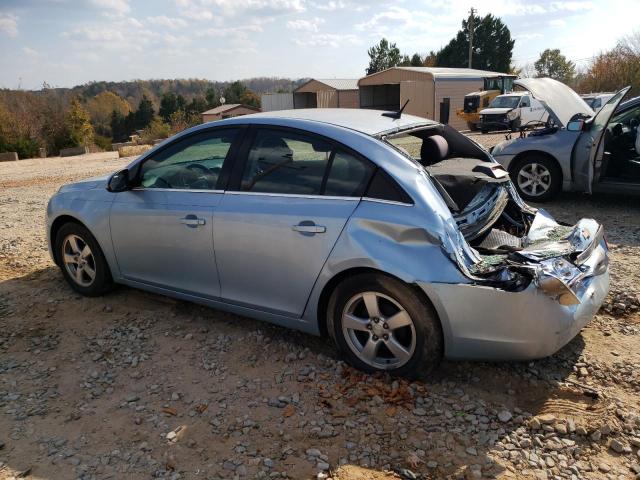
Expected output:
{"points": [[78, 260], [378, 330], [534, 179]]}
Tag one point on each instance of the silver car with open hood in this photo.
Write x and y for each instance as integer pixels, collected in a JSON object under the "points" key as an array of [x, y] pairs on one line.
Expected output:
{"points": [[580, 150], [397, 237]]}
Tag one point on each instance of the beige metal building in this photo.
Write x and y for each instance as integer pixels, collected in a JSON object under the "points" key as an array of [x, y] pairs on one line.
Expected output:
{"points": [[433, 92], [327, 93], [227, 111]]}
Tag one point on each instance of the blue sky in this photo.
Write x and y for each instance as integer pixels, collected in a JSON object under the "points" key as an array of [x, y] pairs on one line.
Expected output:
{"points": [[69, 42]]}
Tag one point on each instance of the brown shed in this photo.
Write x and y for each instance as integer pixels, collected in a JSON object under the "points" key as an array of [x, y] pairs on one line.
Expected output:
{"points": [[327, 93], [433, 92], [227, 111]]}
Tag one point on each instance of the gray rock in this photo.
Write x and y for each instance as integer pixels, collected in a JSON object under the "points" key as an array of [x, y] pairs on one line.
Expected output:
{"points": [[504, 416], [616, 445]]}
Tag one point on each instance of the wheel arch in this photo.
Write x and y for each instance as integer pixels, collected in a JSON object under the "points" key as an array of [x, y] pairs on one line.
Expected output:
{"points": [[531, 153], [331, 285], [57, 224]]}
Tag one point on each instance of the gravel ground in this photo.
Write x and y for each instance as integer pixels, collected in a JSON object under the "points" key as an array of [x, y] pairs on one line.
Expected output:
{"points": [[135, 385]]}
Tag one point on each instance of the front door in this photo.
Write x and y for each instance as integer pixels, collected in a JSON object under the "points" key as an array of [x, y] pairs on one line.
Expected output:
{"points": [[590, 147], [274, 230], [162, 230]]}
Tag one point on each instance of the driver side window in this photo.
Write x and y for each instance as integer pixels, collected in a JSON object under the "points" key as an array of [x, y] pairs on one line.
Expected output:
{"points": [[191, 164]]}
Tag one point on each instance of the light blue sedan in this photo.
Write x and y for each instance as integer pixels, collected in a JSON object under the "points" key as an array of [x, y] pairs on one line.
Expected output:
{"points": [[396, 236]]}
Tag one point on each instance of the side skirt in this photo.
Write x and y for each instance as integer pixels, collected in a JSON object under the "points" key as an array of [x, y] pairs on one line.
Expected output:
{"points": [[282, 320]]}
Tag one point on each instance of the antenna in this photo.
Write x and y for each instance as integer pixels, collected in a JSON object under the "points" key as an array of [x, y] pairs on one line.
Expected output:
{"points": [[397, 114]]}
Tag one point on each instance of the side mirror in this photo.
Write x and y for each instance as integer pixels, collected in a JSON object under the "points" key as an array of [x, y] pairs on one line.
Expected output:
{"points": [[119, 181], [575, 125]]}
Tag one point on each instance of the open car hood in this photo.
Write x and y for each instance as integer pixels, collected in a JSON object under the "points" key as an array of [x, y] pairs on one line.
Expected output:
{"points": [[561, 102]]}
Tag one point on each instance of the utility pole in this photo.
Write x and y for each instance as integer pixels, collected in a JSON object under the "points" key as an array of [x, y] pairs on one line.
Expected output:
{"points": [[470, 25]]}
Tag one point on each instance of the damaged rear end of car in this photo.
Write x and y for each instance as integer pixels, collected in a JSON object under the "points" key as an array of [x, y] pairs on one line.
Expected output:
{"points": [[533, 283]]}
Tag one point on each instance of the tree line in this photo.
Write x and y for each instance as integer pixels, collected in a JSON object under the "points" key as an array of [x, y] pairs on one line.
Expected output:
{"points": [[100, 113]]}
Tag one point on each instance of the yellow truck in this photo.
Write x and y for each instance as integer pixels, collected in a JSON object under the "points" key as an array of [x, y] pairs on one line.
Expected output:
{"points": [[476, 101]]}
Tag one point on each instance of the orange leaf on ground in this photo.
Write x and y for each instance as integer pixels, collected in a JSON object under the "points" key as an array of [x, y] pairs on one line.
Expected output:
{"points": [[288, 411], [170, 411]]}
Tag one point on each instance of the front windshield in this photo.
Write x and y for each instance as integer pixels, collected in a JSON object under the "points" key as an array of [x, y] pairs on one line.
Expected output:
{"points": [[603, 116], [590, 101], [510, 101]]}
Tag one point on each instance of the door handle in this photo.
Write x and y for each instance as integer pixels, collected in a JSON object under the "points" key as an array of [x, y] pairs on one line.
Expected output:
{"points": [[308, 227], [192, 221]]}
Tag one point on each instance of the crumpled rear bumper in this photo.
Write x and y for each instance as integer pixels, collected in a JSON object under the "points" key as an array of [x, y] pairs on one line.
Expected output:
{"points": [[485, 323]]}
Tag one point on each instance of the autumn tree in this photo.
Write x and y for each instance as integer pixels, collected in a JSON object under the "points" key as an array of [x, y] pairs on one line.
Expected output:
{"points": [[554, 65], [237, 92], [100, 109], [492, 46], [78, 125], [615, 69], [382, 56]]}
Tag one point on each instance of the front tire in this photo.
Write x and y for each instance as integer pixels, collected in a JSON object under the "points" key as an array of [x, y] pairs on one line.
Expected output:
{"points": [[380, 324], [82, 261], [537, 178]]}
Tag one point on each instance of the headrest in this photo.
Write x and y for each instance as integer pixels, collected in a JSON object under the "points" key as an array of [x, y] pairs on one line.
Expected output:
{"points": [[434, 149]]}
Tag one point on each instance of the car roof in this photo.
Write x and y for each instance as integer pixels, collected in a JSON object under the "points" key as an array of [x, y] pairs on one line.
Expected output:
{"points": [[369, 122], [632, 102]]}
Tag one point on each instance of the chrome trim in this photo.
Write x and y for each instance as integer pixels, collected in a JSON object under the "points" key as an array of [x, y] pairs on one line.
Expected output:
{"points": [[292, 195], [388, 202], [176, 190]]}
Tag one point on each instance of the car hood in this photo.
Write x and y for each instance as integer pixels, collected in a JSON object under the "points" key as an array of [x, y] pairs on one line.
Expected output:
{"points": [[495, 111], [87, 184], [561, 102]]}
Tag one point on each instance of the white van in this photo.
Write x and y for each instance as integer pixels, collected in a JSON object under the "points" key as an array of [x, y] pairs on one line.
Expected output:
{"points": [[512, 111]]}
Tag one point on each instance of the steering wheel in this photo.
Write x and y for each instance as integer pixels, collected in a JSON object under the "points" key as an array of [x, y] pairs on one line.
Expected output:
{"points": [[202, 168]]}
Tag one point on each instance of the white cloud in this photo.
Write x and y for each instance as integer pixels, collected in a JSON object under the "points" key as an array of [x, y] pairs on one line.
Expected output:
{"points": [[240, 31], [558, 22], [9, 24], [29, 52], [331, 5], [311, 25], [327, 40], [164, 21], [219, 9], [113, 7]]}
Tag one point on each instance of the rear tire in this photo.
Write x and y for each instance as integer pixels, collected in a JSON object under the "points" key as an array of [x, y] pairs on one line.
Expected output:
{"points": [[81, 260], [537, 178], [380, 324]]}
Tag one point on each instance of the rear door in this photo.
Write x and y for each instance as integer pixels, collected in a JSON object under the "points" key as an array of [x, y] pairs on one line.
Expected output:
{"points": [[286, 206], [589, 146]]}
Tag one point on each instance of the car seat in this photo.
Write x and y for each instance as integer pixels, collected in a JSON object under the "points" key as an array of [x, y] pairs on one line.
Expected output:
{"points": [[434, 149]]}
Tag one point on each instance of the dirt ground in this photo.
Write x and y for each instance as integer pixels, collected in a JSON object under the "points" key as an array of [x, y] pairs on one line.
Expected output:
{"points": [[135, 385]]}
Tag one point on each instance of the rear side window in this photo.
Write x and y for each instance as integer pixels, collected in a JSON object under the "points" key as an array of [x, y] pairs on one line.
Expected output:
{"points": [[348, 175], [383, 187], [294, 163]]}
